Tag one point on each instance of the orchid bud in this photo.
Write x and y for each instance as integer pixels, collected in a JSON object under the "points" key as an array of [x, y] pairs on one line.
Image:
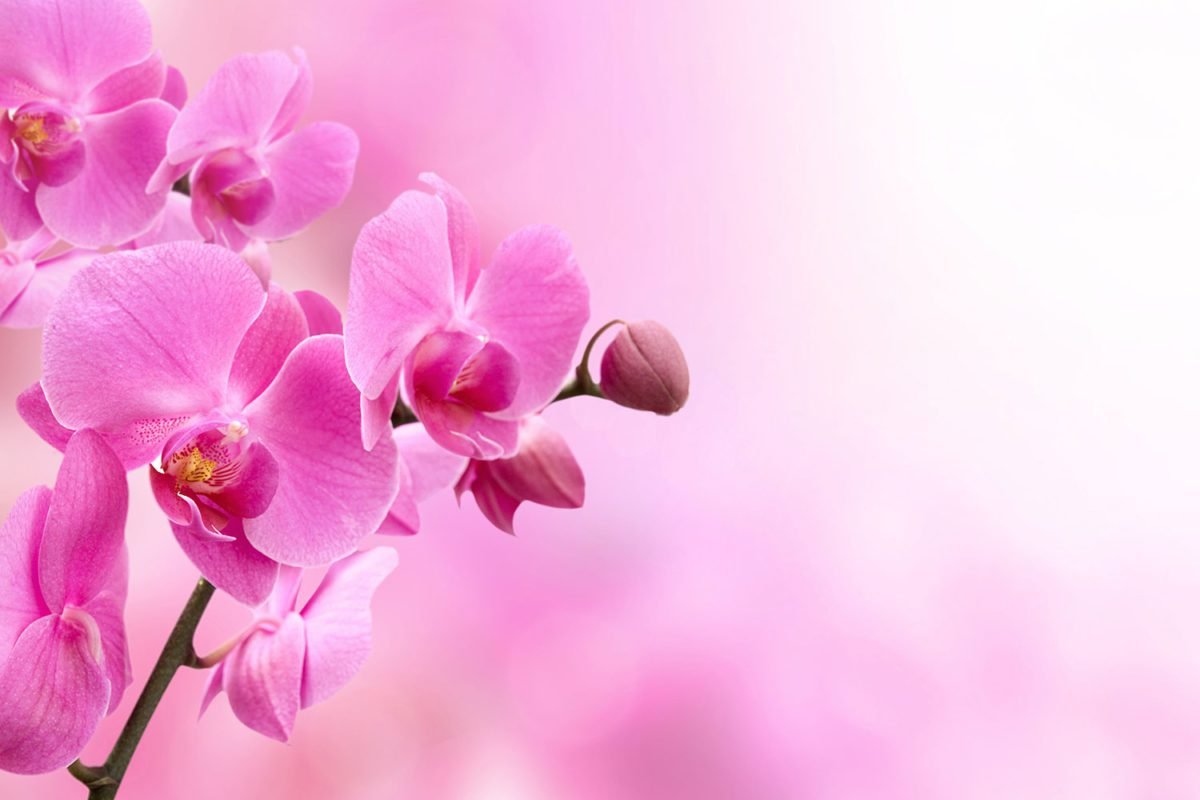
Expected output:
{"points": [[644, 368]]}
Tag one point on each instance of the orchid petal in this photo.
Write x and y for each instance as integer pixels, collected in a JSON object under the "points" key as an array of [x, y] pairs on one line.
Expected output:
{"points": [[463, 233], [33, 408], [143, 80], [21, 601], [311, 170], [107, 609], [66, 47], [377, 413], [19, 217], [175, 89], [296, 100], [322, 315], [55, 694], [263, 678], [331, 492], [533, 300], [465, 431], [543, 471], [85, 527], [494, 502], [174, 224], [401, 288], [279, 327], [233, 566], [107, 203], [337, 622], [434, 469], [235, 108], [403, 518], [13, 280], [170, 318], [46, 285], [212, 687]]}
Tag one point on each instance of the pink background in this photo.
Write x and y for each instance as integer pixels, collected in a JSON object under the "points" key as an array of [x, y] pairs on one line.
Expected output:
{"points": [[928, 527]]}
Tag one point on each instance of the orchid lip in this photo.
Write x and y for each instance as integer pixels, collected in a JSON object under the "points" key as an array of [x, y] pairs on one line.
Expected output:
{"points": [[208, 457]]}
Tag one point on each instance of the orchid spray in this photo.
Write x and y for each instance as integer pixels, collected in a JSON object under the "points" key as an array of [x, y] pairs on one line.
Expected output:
{"points": [[276, 437]]}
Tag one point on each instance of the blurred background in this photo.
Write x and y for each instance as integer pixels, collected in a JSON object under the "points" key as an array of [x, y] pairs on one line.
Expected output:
{"points": [[929, 526]]}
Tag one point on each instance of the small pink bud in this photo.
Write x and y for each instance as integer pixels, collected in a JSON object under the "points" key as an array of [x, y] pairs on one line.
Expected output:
{"points": [[644, 368]]}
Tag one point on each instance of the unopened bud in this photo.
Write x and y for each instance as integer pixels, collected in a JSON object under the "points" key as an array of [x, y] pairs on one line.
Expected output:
{"points": [[644, 368]]}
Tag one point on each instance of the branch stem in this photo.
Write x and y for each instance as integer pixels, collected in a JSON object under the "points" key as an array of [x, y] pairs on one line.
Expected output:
{"points": [[104, 781]]}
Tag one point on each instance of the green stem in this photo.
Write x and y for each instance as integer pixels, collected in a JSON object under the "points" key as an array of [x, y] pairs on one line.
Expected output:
{"points": [[104, 781]]}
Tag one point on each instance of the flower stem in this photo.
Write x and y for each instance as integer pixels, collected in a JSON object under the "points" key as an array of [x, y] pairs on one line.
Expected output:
{"points": [[104, 781]]}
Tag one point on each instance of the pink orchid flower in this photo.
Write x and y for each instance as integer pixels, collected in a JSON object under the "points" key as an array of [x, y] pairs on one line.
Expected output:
{"points": [[290, 660], [479, 348], [543, 471], [253, 422], [64, 663], [85, 126], [252, 176], [33, 273]]}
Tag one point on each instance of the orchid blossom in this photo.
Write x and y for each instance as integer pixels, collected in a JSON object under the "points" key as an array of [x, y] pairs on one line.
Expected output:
{"points": [[64, 663], [478, 347], [252, 423], [85, 126]]}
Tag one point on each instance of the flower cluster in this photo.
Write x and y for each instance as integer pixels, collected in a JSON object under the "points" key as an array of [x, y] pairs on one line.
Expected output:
{"points": [[275, 437]]}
